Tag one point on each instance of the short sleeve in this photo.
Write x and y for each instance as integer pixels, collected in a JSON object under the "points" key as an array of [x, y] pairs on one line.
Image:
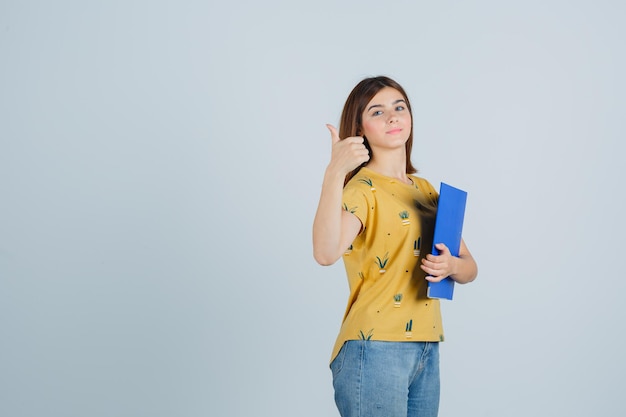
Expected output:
{"points": [[355, 200]]}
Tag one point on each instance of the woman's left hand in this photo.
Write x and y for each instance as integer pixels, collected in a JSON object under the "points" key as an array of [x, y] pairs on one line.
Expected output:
{"points": [[438, 267]]}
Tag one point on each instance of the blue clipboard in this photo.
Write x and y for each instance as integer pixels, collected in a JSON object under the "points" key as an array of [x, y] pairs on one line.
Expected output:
{"points": [[448, 229]]}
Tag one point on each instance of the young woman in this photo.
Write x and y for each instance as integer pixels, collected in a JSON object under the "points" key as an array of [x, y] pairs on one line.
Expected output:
{"points": [[380, 218]]}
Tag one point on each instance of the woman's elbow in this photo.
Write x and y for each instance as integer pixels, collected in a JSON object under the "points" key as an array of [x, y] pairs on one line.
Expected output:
{"points": [[471, 276], [324, 259]]}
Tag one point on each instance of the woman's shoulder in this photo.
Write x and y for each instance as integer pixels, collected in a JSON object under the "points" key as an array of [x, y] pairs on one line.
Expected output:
{"points": [[363, 179], [420, 180], [424, 186]]}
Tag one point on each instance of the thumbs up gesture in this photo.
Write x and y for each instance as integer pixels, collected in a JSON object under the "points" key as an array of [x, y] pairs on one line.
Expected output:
{"points": [[347, 154]]}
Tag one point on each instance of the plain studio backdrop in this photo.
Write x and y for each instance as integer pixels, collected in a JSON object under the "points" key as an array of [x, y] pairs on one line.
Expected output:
{"points": [[160, 167]]}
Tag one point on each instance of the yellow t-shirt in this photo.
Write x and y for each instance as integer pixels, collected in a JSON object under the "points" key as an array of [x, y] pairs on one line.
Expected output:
{"points": [[387, 287]]}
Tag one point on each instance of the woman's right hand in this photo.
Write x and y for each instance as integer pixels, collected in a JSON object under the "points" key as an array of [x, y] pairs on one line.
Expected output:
{"points": [[347, 154]]}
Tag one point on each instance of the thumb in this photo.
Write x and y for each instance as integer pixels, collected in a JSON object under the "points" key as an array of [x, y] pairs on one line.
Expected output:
{"points": [[334, 135], [442, 248]]}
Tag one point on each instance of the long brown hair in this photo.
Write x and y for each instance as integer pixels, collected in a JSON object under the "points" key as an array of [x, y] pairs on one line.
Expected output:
{"points": [[352, 115]]}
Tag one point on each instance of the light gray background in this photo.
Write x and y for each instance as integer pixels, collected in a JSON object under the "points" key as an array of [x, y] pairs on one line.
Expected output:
{"points": [[160, 165]]}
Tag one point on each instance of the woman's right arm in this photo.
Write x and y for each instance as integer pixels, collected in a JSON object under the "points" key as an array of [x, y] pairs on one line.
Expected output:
{"points": [[334, 229]]}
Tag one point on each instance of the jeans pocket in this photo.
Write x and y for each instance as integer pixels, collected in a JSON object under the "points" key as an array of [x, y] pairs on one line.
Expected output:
{"points": [[337, 364]]}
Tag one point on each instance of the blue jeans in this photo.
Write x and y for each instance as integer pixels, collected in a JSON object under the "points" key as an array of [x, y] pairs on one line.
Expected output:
{"points": [[387, 379]]}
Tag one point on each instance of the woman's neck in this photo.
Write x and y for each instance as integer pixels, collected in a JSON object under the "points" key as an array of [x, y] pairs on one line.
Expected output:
{"points": [[390, 165]]}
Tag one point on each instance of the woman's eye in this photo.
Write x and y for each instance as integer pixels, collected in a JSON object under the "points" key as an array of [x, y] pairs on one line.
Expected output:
{"points": [[377, 113], [399, 108]]}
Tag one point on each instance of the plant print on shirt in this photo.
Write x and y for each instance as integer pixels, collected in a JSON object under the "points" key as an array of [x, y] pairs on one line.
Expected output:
{"points": [[382, 263], [369, 182], [404, 215]]}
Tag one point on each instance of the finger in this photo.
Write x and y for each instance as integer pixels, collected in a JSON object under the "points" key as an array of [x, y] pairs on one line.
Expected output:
{"points": [[431, 257], [431, 274], [433, 278], [334, 134], [435, 267], [357, 140], [442, 248], [430, 270]]}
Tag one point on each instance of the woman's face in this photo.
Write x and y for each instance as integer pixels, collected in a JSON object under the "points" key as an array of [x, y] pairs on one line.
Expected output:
{"points": [[387, 120]]}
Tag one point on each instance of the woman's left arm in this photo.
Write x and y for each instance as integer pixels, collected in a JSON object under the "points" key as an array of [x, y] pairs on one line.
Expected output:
{"points": [[461, 269]]}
